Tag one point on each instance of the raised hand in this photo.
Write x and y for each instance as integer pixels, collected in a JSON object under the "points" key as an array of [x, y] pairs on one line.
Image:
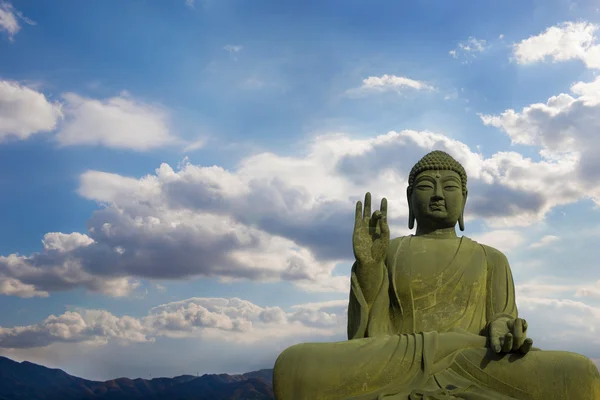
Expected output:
{"points": [[371, 233], [509, 336]]}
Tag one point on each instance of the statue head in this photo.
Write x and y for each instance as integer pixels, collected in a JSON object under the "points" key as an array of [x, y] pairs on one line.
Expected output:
{"points": [[437, 192]]}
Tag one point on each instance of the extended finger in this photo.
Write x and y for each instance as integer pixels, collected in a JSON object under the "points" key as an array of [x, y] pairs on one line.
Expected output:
{"points": [[358, 213], [367, 212], [383, 225], [524, 325], [527, 345], [508, 343], [383, 207], [518, 336], [495, 343]]}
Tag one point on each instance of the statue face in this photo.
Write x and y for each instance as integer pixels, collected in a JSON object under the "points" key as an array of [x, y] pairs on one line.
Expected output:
{"points": [[437, 199]]}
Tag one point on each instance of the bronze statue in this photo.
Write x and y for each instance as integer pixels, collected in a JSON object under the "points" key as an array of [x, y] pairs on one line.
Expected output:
{"points": [[431, 315]]}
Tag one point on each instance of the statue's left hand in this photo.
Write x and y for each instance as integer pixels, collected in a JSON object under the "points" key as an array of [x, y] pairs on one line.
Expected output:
{"points": [[509, 336]]}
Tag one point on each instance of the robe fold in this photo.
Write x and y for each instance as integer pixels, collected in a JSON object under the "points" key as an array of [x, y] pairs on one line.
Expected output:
{"points": [[395, 346]]}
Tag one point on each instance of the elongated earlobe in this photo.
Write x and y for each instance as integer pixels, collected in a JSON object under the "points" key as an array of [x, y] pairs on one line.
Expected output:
{"points": [[461, 219], [411, 214]]}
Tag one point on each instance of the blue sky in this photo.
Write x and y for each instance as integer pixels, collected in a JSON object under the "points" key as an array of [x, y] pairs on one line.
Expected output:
{"points": [[178, 178]]}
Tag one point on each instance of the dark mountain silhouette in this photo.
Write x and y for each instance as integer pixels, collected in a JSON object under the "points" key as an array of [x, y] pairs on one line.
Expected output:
{"points": [[29, 381]]}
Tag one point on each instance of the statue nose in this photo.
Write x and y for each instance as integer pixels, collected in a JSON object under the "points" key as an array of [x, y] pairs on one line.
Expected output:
{"points": [[438, 192]]}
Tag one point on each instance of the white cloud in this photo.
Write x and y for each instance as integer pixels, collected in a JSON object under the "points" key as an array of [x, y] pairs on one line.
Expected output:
{"points": [[95, 327], [195, 145], [60, 270], [14, 287], [504, 239], [117, 122], [564, 324], [387, 83], [276, 217], [473, 45], [559, 316], [25, 112], [546, 240], [9, 19], [231, 320], [544, 287], [566, 41], [198, 334], [469, 48], [65, 242], [565, 128]]}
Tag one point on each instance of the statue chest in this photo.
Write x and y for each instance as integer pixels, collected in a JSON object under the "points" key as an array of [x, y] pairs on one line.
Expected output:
{"points": [[443, 282], [429, 260]]}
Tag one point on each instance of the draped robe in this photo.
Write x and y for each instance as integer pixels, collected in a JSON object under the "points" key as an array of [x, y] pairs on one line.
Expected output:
{"points": [[394, 346]]}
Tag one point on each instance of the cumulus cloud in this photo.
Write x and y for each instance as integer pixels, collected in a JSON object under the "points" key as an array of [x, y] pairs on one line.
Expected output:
{"points": [[121, 122], [56, 268], [91, 326], [118, 122], [63, 242], [232, 320], [9, 19], [14, 287], [274, 217], [25, 112], [563, 42], [565, 128], [389, 83]]}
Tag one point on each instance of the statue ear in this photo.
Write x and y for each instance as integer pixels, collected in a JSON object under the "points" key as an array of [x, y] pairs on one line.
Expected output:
{"points": [[461, 219], [411, 214]]}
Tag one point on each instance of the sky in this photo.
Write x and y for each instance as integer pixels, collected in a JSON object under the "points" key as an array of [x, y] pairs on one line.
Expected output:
{"points": [[178, 178]]}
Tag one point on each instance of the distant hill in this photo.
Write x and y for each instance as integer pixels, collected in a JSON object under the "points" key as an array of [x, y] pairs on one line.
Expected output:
{"points": [[28, 381]]}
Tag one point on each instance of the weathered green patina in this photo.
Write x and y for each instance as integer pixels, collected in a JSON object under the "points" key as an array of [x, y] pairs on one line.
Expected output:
{"points": [[431, 315]]}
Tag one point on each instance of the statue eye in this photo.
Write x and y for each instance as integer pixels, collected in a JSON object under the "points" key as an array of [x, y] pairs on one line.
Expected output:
{"points": [[451, 187], [424, 186]]}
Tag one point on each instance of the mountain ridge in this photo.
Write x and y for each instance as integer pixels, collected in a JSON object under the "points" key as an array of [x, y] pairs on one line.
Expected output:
{"points": [[29, 381]]}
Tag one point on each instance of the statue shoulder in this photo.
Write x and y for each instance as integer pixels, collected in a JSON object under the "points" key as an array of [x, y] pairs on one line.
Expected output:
{"points": [[494, 256], [395, 242], [393, 247]]}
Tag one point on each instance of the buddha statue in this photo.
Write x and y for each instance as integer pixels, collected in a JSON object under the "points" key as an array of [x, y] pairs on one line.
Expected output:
{"points": [[431, 315]]}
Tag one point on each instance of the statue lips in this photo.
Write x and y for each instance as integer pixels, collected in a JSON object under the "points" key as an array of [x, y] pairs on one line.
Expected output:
{"points": [[437, 206]]}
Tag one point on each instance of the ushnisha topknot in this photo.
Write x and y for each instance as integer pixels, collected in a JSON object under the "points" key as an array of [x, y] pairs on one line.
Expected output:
{"points": [[437, 160]]}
